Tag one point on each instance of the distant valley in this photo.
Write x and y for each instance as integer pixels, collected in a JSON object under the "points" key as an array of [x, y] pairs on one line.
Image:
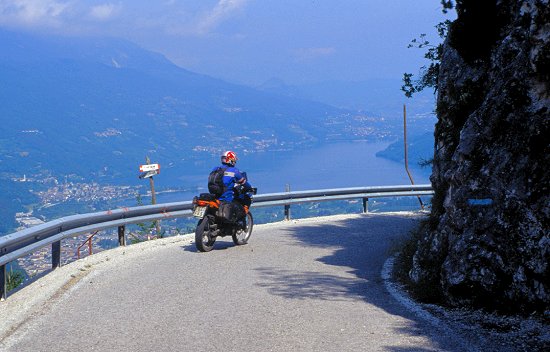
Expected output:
{"points": [[88, 110]]}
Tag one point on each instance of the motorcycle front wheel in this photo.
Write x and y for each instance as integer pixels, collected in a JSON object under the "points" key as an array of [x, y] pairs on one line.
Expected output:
{"points": [[204, 241], [240, 234]]}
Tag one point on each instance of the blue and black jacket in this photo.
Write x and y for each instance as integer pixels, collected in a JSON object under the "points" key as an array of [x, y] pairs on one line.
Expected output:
{"points": [[231, 177]]}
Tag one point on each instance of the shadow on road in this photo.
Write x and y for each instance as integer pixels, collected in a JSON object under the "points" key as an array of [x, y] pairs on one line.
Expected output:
{"points": [[218, 246], [360, 245], [311, 285]]}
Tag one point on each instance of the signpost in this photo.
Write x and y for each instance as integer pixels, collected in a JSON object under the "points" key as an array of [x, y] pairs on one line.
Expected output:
{"points": [[149, 167], [149, 170]]}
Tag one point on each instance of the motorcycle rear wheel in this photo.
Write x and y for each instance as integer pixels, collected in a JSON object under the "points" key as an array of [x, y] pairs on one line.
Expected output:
{"points": [[204, 241], [241, 236]]}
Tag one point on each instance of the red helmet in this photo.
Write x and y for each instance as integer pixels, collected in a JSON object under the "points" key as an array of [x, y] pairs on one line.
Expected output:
{"points": [[229, 158]]}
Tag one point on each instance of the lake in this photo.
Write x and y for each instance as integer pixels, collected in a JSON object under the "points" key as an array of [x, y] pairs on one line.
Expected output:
{"points": [[349, 164]]}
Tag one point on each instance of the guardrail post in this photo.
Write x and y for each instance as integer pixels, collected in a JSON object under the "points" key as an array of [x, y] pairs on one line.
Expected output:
{"points": [[121, 237], [3, 282], [56, 255], [287, 206], [365, 205]]}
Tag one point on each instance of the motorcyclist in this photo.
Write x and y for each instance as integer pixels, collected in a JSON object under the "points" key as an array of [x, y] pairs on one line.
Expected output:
{"points": [[233, 181]]}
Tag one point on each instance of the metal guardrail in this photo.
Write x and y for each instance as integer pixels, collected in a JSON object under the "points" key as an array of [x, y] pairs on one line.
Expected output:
{"points": [[21, 243]]}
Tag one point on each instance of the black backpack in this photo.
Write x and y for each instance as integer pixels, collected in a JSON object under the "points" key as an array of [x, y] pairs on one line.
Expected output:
{"points": [[215, 182]]}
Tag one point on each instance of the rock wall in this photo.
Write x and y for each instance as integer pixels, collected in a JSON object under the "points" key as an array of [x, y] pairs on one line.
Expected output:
{"points": [[487, 243]]}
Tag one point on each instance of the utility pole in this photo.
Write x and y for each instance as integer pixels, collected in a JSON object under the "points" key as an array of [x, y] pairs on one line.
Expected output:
{"points": [[407, 152], [153, 197], [151, 183]]}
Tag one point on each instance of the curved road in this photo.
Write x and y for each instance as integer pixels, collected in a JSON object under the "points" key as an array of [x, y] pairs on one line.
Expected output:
{"points": [[307, 285]]}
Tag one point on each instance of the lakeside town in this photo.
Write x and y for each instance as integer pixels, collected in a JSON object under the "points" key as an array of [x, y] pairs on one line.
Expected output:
{"points": [[85, 192], [71, 248], [80, 246], [60, 192]]}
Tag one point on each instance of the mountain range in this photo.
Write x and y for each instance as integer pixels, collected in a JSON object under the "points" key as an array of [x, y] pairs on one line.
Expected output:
{"points": [[97, 106]]}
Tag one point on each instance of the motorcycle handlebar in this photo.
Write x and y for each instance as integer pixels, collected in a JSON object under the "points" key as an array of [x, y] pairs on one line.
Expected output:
{"points": [[244, 189]]}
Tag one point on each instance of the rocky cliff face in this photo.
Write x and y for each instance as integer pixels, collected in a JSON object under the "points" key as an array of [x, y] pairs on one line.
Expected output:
{"points": [[488, 243]]}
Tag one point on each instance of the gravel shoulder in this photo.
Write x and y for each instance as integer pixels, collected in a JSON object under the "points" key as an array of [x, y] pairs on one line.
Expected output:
{"points": [[478, 330]]}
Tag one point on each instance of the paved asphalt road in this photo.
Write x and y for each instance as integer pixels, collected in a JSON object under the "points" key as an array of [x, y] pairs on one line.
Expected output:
{"points": [[308, 285]]}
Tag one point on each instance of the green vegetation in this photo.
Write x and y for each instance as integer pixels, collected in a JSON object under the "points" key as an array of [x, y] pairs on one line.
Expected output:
{"points": [[428, 292], [429, 75], [15, 279], [145, 230], [15, 195]]}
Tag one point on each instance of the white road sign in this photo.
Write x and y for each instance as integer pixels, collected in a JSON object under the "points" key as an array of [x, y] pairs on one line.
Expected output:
{"points": [[148, 174], [149, 167]]}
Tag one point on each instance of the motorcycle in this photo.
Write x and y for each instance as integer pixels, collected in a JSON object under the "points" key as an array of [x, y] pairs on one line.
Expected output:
{"points": [[214, 222]]}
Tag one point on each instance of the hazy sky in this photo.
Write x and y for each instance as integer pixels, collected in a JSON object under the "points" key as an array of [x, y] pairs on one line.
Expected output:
{"points": [[251, 41]]}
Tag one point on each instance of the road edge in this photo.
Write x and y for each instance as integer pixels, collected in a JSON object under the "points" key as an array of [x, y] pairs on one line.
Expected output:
{"points": [[397, 291]]}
